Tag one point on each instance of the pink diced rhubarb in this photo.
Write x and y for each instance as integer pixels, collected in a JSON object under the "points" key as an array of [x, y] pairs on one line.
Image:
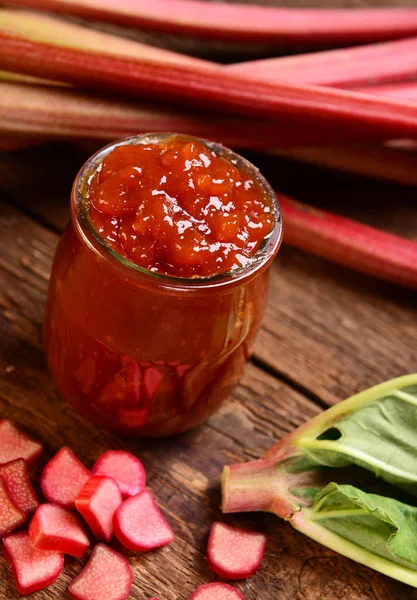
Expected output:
{"points": [[233, 553], [16, 444], [56, 528], [127, 471], [63, 477], [106, 576], [216, 591], [98, 501], [140, 525], [11, 517], [16, 477], [32, 569]]}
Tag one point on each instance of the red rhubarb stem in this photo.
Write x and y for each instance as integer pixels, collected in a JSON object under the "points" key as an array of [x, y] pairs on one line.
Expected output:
{"points": [[53, 113], [249, 23], [405, 90], [199, 85], [255, 486], [349, 243], [348, 67]]}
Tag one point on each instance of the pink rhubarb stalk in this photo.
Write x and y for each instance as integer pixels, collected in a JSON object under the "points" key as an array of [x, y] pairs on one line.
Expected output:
{"points": [[349, 67], [233, 553], [97, 502], [406, 90], [16, 478], [216, 591], [32, 569], [126, 470], [63, 477], [58, 529], [140, 525], [106, 576], [49, 112], [62, 52], [349, 243], [16, 444], [244, 22]]}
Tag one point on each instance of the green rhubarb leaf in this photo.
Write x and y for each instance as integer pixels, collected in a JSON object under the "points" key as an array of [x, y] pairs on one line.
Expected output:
{"points": [[384, 525], [376, 430], [347, 479]]}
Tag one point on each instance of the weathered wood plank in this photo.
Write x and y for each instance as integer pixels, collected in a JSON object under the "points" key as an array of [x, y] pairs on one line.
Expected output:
{"points": [[184, 471]]}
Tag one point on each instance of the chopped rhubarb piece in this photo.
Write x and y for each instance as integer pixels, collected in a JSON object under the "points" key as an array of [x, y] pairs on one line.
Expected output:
{"points": [[152, 379], [124, 387], [126, 470], [140, 525], [63, 477], [106, 576], [233, 553], [97, 501], [16, 444], [32, 569], [216, 591], [16, 477], [56, 528], [11, 516]]}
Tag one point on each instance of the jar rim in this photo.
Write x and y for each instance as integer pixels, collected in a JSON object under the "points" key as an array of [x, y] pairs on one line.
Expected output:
{"points": [[83, 224]]}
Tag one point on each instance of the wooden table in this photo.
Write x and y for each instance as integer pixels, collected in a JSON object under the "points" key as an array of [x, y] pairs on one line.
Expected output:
{"points": [[327, 334]]}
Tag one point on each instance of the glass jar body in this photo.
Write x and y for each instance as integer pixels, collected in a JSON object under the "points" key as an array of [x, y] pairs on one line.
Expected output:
{"points": [[140, 358]]}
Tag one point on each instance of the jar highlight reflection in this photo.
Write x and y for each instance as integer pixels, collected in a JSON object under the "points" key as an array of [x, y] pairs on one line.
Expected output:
{"points": [[140, 352]]}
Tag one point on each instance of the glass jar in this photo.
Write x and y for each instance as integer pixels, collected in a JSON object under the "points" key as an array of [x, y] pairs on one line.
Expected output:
{"points": [[140, 352]]}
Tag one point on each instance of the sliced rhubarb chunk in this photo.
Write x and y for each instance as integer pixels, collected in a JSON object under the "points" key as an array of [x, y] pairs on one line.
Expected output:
{"points": [[16, 444], [140, 525], [106, 576], [126, 470], [63, 477], [56, 528], [11, 516], [97, 501], [32, 569], [16, 477], [216, 591], [233, 553]]}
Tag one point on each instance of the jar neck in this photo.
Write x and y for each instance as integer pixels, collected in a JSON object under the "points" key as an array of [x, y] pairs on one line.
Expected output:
{"points": [[89, 237]]}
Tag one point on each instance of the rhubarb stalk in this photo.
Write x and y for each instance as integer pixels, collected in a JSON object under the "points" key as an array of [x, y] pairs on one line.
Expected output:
{"points": [[52, 53], [349, 67], [406, 90], [50, 112], [268, 24], [350, 244]]}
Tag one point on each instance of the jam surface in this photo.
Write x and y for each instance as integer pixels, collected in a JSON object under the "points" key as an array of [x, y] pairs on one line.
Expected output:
{"points": [[178, 208]]}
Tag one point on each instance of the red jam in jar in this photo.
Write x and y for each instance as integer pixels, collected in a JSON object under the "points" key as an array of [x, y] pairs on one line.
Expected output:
{"points": [[159, 282]]}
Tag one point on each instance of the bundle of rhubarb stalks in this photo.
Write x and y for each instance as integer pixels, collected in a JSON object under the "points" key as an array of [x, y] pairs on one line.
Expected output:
{"points": [[352, 106]]}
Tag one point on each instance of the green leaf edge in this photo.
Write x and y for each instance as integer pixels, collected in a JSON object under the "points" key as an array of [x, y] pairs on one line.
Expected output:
{"points": [[314, 427], [303, 521]]}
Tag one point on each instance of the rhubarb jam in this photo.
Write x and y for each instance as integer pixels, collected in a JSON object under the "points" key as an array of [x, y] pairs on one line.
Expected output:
{"points": [[178, 208], [159, 282]]}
